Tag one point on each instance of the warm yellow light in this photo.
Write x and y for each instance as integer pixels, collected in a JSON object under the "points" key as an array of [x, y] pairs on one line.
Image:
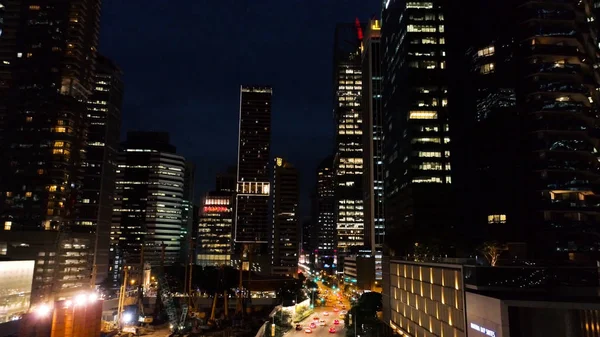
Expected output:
{"points": [[279, 161]]}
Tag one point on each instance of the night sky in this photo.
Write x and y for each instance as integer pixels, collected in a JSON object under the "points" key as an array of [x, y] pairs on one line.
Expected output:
{"points": [[184, 61]]}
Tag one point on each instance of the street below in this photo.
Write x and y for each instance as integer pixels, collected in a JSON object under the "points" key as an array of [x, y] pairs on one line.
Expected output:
{"points": [[320, 331]]}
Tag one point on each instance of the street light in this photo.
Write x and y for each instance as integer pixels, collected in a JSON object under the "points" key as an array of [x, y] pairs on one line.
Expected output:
{"points": [[43, 310]]}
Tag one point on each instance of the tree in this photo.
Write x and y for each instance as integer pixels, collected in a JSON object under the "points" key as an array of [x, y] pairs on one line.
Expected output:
{"points": [[492, 251], [370, 302]]}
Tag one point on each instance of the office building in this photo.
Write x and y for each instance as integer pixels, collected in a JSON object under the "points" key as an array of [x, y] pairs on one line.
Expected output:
{"points": [[416, 138], [348, 162], [215, 227], [46, 78], [285, 243], [227, 181], [325, 208], [148, 206], [462, 299], [188, 232], [359, 272], [533, 109], [372, 137], [94, 208], [252, 229]]}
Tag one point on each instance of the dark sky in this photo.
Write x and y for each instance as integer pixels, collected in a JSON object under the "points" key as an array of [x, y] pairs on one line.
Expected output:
{"points": [[184, 61]]}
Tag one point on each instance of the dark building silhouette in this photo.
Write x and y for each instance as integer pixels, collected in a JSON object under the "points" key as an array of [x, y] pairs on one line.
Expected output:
{"points": [[532, 125], [372, 137], [285, 243], [227, 181], [148, 203], [187, 213], [252, 229], [348, 161], [48, 59], [95, 207], [416, 136], [324, 212]]}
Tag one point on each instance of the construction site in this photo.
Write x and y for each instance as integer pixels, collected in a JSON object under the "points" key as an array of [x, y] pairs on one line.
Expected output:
{"points": [[191, 301]]}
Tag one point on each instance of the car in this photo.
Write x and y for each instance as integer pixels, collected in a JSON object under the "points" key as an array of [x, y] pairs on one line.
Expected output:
{"points": [[342, 316], [307, 330], [298, 327], [316, 318], [343, 307], [336, 309], [332, 330], [325, 313], [313, 326], [336, 321], [322, 323], [343, 312]]}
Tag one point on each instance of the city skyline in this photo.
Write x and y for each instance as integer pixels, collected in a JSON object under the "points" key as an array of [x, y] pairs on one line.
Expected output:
{"points": [[207, 110]]}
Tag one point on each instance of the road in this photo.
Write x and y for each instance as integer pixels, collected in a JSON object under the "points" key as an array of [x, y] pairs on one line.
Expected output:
{"points": [[321, 331]]}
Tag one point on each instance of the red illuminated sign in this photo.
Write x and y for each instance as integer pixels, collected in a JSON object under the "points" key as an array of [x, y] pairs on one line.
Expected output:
{"points": [[358, 29], [215, 209]]}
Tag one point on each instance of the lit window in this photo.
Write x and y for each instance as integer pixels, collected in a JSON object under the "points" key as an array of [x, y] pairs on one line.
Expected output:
{"points": [[28, 119], [423, 115], [59, 144], [40, 171], [487, 51], [7, 225], [430, 154], [421, 28], [60, 129], [34, 7], [487, 68], [9, 194], [52, 188], [28, 194], [419, 4], [496, 218]]}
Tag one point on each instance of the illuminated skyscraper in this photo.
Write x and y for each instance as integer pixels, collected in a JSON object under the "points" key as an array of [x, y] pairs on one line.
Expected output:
{"points": [[373, 137], [252, 229], [286, 226], [416, 138], [47, 68], [148, 203], [215, 228], [348, 163]]}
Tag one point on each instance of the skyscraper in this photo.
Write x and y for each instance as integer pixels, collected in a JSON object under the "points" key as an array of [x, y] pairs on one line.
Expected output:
{"points": [[48, 58], [534, 116], [95, 206], [372, 137], [187, 212], [252, 227], [148, 203], [286, 226], [214, 244], [325, 208], [348, 119], [416, 141]]}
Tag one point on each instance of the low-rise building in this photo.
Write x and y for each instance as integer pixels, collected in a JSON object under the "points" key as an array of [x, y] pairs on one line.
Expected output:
{"points": [[360, 271], [457, 299]]}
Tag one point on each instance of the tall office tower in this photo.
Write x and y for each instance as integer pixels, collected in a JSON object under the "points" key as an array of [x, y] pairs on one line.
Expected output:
{"points": [[95, 207], [214, 244], [252, 229], [416, 141], [48, 55], [325, 210], [348, 119], [286, 225], [372, 137], [148, 202], [308, 235], [536, 88], [187, 213]]}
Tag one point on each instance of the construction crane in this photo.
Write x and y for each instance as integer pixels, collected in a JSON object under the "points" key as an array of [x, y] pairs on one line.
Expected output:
{"points": [[165, 297]]}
